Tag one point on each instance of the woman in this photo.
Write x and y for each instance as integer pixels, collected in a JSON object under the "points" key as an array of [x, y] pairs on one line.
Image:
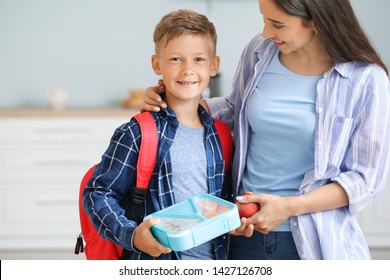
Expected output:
{"points": [[310, 114]]}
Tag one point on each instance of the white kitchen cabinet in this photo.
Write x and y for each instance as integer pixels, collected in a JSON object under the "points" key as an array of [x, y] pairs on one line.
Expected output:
{"points": [[43, 156]]}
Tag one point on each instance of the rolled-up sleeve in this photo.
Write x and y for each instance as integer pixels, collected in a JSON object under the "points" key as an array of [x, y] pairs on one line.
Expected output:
{"points": [[366, 163]]}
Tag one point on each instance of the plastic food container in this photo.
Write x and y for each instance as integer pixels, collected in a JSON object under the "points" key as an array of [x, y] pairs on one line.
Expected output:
{"points": [[194, 221]]}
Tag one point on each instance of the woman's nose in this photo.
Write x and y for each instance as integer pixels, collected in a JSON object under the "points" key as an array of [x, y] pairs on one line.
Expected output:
{"points": [[267, 33]]}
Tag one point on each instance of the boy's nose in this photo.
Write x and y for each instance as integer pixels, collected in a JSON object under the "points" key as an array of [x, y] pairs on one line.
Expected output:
{"points": [[187, 69], [188, 72]]}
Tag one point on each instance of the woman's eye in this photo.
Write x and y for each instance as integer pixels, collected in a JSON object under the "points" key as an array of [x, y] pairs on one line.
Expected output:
{"points": [[277, 26]]}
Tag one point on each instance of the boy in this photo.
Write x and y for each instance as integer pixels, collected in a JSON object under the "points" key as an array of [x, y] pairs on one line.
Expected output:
{"points": [[189, 159]]}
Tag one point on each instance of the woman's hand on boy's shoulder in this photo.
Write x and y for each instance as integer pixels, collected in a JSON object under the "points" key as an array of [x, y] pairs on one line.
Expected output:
{"points": [[153, 100]]}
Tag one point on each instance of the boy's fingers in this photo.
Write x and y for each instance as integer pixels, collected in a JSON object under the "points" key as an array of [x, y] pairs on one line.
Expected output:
{"points": [[249, 230], [163, 249], [151, 222], [158, 248], [240, 229]]}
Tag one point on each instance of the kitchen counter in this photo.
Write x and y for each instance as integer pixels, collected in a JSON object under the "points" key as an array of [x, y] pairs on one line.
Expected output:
{"points": [[99, 112]]}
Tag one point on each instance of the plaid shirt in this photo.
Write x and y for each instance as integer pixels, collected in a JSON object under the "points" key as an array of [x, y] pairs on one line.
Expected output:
{"points": [[108, 194]]}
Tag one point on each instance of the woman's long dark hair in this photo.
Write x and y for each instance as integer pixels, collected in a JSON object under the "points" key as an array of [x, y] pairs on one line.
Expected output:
{"points": [[338, 26]]}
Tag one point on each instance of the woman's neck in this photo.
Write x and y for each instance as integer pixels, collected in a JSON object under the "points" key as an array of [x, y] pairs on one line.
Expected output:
{"points": [[313, 61]]}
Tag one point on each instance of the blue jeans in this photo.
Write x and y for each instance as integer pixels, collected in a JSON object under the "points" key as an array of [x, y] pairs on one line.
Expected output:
{"points": [[276, 245]]}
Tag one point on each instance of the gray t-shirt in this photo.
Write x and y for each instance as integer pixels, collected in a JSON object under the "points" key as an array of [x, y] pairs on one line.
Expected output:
{"points": [[189, 176]]}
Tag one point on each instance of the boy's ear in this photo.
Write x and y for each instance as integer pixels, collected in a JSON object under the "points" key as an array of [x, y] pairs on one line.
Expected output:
{"points": [[156, 65], [215, 66]]}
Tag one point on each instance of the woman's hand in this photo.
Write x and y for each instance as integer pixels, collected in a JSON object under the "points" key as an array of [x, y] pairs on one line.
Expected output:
{"points": [[152, 98], [274, 211], [145, 242]]}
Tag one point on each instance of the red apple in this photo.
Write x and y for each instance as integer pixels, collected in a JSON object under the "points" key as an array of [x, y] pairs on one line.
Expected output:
{"points": [[247, 209]]}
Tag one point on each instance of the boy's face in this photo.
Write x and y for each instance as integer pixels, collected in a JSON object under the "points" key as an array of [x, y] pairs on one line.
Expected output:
{"points": [[186, 64]]}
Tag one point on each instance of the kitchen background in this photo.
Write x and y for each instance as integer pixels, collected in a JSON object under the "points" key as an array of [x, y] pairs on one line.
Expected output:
{"points": [[96, 53]]}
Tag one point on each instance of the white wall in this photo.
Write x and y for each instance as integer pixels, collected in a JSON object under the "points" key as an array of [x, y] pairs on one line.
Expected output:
{"points": [[375, 18], [99, 49]]}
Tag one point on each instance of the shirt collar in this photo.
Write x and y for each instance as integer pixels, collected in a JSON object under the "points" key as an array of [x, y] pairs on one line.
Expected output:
{"points": [[342, 69], [264, 46], [205, 117]]}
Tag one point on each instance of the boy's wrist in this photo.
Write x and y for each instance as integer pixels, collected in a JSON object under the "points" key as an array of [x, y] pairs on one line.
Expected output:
{"points": [[132, 246]]}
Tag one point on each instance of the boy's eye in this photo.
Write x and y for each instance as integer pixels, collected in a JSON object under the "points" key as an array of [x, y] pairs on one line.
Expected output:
{"points": [[174, 59], [200, 59]]}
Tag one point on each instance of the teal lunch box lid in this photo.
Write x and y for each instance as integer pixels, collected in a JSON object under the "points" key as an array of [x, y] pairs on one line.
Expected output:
{"points": [[194, 221]]}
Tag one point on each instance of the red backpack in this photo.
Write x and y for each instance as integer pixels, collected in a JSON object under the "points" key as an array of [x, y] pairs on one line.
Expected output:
{"points": [[98, 248]]}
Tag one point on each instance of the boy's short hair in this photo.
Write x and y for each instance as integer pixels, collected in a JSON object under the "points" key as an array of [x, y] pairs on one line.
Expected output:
{"points": [[180, 22]]}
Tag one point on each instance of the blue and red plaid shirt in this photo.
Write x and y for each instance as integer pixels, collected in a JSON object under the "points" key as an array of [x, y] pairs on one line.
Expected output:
{"points": [[107, 195]]}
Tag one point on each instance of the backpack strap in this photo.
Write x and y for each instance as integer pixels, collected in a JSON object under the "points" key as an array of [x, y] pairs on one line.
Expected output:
{"points": [[145, 166], [225, 136], [146, 161]]}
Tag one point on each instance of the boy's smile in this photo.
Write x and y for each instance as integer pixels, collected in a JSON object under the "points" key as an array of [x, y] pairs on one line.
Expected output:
{"points": [[186, 64], [186, 84]]}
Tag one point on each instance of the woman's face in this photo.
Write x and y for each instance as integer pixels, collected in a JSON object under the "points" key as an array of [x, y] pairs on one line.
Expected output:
{"points": [[289, 33]]}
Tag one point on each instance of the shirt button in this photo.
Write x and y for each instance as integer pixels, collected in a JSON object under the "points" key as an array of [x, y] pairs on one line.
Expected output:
{"points": [[295, 224], [320, 109]]}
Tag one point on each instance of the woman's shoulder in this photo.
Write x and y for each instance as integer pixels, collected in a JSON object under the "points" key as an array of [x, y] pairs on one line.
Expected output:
{"points": [[356, 69], [361, 80]]}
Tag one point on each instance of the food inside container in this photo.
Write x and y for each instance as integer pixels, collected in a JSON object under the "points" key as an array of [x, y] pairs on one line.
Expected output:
{"points": [[178, 224], [209, 208]]}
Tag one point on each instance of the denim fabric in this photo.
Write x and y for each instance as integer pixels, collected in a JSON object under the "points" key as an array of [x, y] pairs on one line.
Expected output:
{"points": [[276, 245]]}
